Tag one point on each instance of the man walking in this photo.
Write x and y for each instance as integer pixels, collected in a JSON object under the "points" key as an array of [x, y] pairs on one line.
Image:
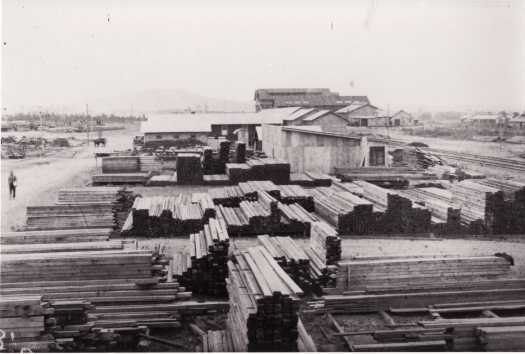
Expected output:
{"points": [[12, 185]]}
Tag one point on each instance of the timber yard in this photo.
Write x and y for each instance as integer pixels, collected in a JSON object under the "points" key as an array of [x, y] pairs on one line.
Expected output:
{"points": [[290, 228], [262, 176]]}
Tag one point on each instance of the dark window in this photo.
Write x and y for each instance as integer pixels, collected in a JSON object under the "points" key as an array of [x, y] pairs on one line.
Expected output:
{"points": [[364, 122], [193, 136], [377, 156], [159, 136]]}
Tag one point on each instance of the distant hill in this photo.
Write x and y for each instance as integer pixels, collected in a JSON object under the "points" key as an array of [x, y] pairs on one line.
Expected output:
{"points": [[154, 101]]}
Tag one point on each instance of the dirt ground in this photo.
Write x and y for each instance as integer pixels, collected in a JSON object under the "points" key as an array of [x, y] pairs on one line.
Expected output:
{"points": [[40, 178]]}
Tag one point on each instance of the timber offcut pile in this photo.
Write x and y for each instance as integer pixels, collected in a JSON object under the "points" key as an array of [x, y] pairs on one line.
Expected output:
{"points": [[167, 215], [70, 216], [292, 259], [189, 168], [416, 271], [209, 255], [264, 303], [396, 177]]}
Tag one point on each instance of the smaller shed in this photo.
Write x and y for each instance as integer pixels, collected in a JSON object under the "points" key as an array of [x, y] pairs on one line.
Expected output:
{"points": [[402, 118]]}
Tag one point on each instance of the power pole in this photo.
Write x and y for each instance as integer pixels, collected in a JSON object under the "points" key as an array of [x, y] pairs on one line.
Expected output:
{"points": [[87, 122]]}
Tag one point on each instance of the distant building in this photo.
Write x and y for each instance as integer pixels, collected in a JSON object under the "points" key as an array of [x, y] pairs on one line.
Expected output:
{"points": [[320, 98], [518, 122], [484, 120], [364, 115], [402, 118]]}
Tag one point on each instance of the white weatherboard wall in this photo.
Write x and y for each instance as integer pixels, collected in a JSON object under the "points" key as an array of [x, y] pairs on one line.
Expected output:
{"points": [[310, 151]]}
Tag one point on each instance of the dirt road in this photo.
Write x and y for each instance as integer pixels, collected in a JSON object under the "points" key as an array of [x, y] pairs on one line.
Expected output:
{"points": [[40, 179]]}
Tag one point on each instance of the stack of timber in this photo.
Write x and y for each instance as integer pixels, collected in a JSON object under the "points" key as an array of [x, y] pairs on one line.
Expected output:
{"points": [[240, 152], [417, 271], [301, 179], [189, 168], [505, 338], [70, 216], [229, 196], [264, 303], [216, 180], [209, 255], [22, 321], [396, 177], [180, 269], [511, 217], [163, 180], [120, 178], [319, 179], [120, 199], [207, 161], [251, 188], [290, 194], [153, 164], [481, 206], [349, 213], [446, 218], [394, 213], [54, 236], [120, 164], [237, 172], [250, 218], [292, 259], [217, 342], [325, 242], [167, 216], [295, 220], [277, 171], [206, 204]]}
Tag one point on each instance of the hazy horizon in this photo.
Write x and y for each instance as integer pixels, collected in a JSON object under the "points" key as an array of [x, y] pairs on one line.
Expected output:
{"points": [[409, 54]]}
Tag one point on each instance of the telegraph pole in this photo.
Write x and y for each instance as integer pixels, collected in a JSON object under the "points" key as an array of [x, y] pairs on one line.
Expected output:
{"points": [[87, 123]]}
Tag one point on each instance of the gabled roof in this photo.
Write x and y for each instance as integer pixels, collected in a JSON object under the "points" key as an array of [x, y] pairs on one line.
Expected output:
{"points": [[316, 115], [354, 106], [300, 113]]}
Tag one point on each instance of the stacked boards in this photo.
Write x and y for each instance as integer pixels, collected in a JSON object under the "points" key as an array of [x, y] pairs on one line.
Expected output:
{"points": [[264, 303], [407, 272]]}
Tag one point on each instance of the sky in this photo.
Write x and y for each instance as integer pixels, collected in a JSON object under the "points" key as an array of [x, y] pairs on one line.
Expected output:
{"points": [[432, 55]]}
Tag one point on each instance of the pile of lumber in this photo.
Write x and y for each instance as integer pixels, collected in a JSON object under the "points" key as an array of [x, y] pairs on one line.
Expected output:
{"points": [[152, 163], [349, 213], [480, 205], [167, 215], [248, 219], [416, 271], [229, 196], [446, 218], [237, 172], [301, 179], [217, 342], [394, 213], [264, 303], [504, 338], [120, 178], [240, 152], [120, 164], [325, 242], [319, 179], [509, 217], [162, 180], [209, 254], [292, 259], [396, 177], [251, 188], [290, 194], [70, 216], [277, 171], [216, 180], [295, 220], [54, 236], [207, 161], [189, 168], [23, 324], [180, 269]]}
